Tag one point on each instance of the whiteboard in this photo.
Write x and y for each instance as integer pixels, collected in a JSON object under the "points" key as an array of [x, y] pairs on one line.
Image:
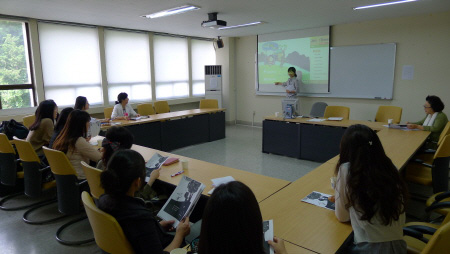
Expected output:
{"points": [[362, 71]]}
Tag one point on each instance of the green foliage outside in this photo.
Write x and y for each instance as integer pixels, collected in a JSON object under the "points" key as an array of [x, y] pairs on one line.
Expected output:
{"points": [[13, 65]]}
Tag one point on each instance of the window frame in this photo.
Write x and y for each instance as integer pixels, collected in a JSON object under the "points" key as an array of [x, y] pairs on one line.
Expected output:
{"points": [[31, 86]]}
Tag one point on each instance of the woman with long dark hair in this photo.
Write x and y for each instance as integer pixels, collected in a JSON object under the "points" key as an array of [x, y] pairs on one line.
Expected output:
{"points": [[81, 103], [370, 193], [72, 141], [62, 119], [232, 223], [42, 129], [122, 178]]}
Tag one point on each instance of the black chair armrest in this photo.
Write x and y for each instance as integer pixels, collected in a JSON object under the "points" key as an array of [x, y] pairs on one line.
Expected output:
{"points": [[438, 205], [417, 161], [427, 165], [442, 196], [44, 169], [423, 229], [415, 234], [82, 182], [429, 151]]}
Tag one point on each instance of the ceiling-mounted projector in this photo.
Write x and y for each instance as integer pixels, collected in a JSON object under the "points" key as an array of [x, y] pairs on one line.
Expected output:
{"points": [[212, 21]]}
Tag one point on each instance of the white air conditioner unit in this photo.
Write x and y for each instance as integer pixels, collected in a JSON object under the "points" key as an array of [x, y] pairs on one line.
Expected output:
{"points": [[213, 83]]}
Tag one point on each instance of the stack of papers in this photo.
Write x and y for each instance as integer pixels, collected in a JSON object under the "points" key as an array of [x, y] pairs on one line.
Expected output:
{"points": [[335, 118], [219, 181], [316, 120], [319, 199]]}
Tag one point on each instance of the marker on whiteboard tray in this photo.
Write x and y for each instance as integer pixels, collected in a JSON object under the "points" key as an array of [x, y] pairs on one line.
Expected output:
{"points": [[378, 98]]}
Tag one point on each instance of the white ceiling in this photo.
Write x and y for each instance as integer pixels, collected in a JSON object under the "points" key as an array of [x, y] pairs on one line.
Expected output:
{"points": [[281, 15]]}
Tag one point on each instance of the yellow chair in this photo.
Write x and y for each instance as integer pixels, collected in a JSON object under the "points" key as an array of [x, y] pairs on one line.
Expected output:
{"points": [[435, 175], [337, 111], [145, 109], [8, 162], [68, 190], [439, 203], [28, 120], [209, 103], [93, 178], [108, 112], [108, 234], [162, 107], [426, 155], [434, 239], [389, 112]]}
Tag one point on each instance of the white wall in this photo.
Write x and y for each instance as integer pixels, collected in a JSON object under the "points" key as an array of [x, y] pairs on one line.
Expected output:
{"points": [[422, 41]]}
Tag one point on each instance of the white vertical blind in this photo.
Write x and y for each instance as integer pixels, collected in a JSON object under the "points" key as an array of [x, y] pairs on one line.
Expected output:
{"points": [[128, 65], [171, 67], [202, 53], [70, 63]]}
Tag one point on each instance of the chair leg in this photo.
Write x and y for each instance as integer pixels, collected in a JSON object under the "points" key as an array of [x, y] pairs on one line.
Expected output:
{"points": [[72, 243], [44, 203], [5, 199]]}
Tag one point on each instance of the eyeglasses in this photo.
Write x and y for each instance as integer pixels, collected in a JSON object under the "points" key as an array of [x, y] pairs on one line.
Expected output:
{"points": [[426, 106]]}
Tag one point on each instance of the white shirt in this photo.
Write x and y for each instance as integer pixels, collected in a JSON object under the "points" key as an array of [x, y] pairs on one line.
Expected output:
{"points": [[118, 111], [364, 231], [292, 85]]}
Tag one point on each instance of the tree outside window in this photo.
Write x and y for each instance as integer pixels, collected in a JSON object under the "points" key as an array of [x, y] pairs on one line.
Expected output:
{"points": [[16, 86]]}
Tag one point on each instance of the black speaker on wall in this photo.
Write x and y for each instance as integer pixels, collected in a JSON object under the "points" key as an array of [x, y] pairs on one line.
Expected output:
{"points": [[219, 42]]}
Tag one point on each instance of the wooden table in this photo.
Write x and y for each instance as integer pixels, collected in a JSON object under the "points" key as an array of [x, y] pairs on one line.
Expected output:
{"points": [[177, 129], [317, 228], [202, 171]]}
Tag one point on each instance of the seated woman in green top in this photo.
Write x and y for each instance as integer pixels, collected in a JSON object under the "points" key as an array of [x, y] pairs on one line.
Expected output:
{"points": [[434, 121]]}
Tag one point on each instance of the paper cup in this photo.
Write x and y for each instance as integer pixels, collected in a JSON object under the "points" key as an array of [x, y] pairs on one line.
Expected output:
{"points": [[178, 251], [277, 114], [390, 121], [99, 142], [185, 164]]}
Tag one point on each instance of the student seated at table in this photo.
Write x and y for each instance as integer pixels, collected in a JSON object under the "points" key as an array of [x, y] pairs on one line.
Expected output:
{"points": [[232, 223], [120, 138], [122, 178], [370, 193], [434, 120], [62, 119], [72, 141], [42, 129], [122, 110], [82, 103]]}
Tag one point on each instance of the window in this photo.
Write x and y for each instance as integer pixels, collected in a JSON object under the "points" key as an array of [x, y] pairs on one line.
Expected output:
{"points": [[70, 63], [128, 65], [171, 67], [16, 82], [203, 53]]}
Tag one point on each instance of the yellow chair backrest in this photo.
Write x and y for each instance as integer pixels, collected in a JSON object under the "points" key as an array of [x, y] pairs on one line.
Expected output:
{"points": [[28, 120], [26, 151], [108, 112], [389, 112], [162, 107], [145, 109], [93, 177], [108, 234], [337, 111], [439, 242], [444, 148], [58, 161], [445, 132], [5, 145], [209, 103]]}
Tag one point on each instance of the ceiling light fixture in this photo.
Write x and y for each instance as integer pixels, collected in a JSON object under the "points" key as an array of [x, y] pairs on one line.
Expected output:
{"points": [[383, 4], [176, 10], [243, 25]]}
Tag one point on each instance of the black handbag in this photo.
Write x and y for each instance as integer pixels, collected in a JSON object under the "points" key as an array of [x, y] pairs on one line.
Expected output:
{"points": [[12, 128]]}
